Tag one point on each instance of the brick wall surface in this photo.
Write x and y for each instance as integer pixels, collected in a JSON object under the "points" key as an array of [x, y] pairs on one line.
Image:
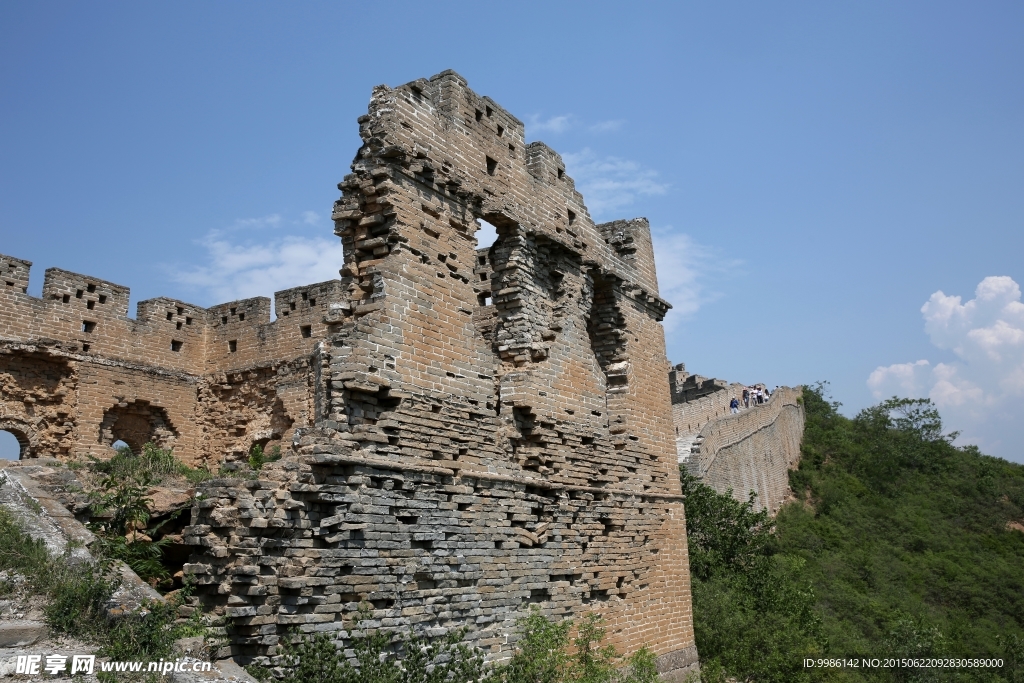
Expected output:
{"points": [[468, 432]]}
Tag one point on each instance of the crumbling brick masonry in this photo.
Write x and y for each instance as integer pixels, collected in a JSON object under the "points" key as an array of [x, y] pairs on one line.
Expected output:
{"points": [[472, 432]]}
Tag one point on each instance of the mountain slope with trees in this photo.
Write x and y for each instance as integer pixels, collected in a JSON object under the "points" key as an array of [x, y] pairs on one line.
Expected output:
{"points": [[897, 544]]}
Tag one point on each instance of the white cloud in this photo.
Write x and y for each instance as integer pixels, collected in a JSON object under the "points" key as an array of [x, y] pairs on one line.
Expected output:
{"points": [[686, 270], [553, 124], [556, 125], [606, 126], [610, 183], [981, 393], [237, 266]]}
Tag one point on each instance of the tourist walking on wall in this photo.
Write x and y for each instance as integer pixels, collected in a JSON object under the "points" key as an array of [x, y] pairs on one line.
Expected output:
{"points": [[746, 399], [734, 404]]}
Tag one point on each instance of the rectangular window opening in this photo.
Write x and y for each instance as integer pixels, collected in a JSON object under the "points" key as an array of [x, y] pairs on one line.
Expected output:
{"points": [[103, 298], [66, 298], [223, 320], [306, 330], [188, 321], [484, 299], [91, 288], [561, 172], [78, 294], [501, 131], [489, 111], [492, 165], [85, 348], [232, 346], [512, 150], [291, 305], [233, 311], [241, 317], [180, 310], [312, 302], [178, 326], [90, 305], [170, 315], [305, 296], [88, 326], [572, 217], [176, 345], [479, 114]]}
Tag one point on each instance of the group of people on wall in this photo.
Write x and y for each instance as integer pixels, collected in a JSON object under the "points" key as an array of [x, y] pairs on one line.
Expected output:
{"points": [[752, 397]]}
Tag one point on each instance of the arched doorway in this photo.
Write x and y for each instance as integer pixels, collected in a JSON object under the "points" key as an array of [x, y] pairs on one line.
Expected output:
{"points": [[10, 447], [17, 440], [135, 424]]}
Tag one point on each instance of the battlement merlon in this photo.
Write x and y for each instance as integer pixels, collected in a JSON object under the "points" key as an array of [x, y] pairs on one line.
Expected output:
{"points": [[441, 136], [14, 273], [101, 295]]}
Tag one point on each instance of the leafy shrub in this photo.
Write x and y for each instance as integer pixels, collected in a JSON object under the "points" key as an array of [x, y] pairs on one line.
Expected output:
{"points": [[77, 593], [257, 458], [123, 497], [545, 653]]}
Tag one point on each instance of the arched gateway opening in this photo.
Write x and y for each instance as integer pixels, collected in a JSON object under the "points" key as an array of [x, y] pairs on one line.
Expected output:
{"points": [[135, 424], [10, 447], [16, 441]]}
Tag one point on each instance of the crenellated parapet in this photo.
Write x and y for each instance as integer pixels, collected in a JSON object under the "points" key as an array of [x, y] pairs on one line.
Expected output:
{"points": [[165, 371]]}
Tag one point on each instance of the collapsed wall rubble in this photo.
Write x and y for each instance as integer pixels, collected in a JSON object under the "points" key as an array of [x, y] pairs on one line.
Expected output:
{"points": [[492, 431], [468, 432]]}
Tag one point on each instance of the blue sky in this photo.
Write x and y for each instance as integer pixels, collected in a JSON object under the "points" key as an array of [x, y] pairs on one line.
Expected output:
{"points": [[816, 173]]}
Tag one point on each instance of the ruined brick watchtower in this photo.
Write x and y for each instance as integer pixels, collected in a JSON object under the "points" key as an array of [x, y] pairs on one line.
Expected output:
{"points": [[487, 430]]}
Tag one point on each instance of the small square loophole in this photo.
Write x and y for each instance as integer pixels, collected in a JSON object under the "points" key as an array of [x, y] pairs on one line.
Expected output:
{"points": [[492, 166], [88, 326], [66, 298], [233, 346], [176, 345], [306, 330]]}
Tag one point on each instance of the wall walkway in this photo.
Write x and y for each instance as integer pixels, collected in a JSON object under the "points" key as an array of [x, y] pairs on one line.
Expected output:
{"points": [[752, 450]]}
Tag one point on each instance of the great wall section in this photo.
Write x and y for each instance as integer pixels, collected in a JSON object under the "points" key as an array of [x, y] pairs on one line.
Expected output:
{"points": [[750, 451], [466, 432]]}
